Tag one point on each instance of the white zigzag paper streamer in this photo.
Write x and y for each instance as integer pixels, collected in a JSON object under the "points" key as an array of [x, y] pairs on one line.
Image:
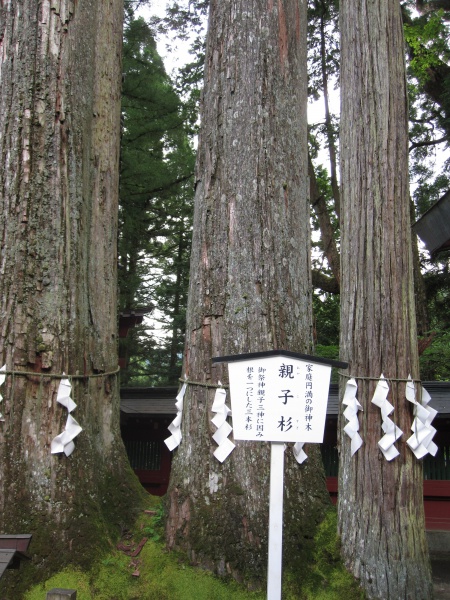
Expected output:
{"points": [[63, 396], [421, 441], [175, 427], [299, 453], [391, 431], [2, 381], [224, 445], [64, 441], [351, 414]]}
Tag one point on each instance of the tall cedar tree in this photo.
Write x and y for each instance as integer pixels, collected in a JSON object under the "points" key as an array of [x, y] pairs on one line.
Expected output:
{"points": [[59, 143], [381, 517], [250, 286], [156, 192]]}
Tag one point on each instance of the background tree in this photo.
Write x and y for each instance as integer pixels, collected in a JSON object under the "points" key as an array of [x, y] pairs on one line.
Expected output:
{"points": [[380, 507], [250, 287], [59, 142], [427, 53], [156, 190], [427, 43]]}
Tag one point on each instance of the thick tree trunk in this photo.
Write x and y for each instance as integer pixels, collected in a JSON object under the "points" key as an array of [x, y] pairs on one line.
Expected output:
{"points": [[381, 518], [250, 286], [59, 117]]}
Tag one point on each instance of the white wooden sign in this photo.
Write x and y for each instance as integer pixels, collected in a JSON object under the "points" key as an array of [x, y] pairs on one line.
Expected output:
{"points": [[279, 399], [278, 396]]}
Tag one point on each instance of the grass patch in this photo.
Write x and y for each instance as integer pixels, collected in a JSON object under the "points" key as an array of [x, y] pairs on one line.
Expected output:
{"points": [[162, 575]]}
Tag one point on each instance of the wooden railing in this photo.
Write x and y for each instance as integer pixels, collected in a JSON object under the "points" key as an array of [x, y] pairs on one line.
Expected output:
{"points": [[144, 454]]}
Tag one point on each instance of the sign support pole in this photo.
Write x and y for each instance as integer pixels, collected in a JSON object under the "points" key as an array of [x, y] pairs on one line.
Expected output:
{"points": [[264, 375], [275, 521]]}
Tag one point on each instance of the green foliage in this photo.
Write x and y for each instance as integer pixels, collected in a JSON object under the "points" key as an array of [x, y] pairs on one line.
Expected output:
{"points": [[70, 579], [326, 319], [323, 17], [156, 163], [427, 38], [156, 193], [331, 352], [156, 223], [435, 361], [159, 117], [430, 188], [428, 53], [149, 362], [186, 20], [326, 328], [324, 185]]}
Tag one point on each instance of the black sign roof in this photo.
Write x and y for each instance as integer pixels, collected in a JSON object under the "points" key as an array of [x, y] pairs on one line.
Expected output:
{"points": [[268, 353]]}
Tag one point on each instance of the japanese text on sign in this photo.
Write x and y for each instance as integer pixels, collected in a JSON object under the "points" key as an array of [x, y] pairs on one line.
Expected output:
{"points": [[279, 399]]}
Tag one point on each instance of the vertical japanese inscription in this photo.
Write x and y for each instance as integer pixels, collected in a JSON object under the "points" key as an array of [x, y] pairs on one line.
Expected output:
{"points": [[249, 395], [261, 393], [309, 394]]}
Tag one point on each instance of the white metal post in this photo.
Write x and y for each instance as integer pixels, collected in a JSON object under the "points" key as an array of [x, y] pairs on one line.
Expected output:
{"points": [[274, 569]]}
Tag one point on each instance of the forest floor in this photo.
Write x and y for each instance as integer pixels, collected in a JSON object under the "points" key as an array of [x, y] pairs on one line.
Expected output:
{"points": [[139, 567]]}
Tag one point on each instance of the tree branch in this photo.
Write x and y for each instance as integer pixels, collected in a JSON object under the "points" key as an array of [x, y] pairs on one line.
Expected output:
{"points": [[324, 283], [326, 229], [426, 7], [429, 143]]}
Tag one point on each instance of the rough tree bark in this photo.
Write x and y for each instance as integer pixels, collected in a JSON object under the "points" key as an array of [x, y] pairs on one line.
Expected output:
{"points": [[59, 137], [381, 518], [250, 286]]}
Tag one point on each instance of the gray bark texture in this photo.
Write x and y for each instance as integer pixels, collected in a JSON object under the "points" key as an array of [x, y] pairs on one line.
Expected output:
{"points": [[250, 282], [59, 140], [381, 517]]}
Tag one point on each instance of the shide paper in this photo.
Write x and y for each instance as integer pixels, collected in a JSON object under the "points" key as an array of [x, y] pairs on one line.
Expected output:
{"points": [[63, 396], [421, 441], [391, 432], [224, 445], [2, 381], [351, 414], [299, 453], [174, 440], [64, 441]]}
